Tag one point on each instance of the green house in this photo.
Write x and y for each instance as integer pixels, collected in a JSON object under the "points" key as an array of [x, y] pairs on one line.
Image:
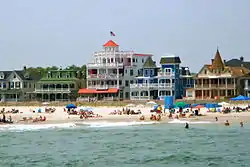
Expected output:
{"points": [[59, 85]]}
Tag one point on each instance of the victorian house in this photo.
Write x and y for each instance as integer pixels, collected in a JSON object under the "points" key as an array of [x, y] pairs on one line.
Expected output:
{"points": [[218, 80], [59, 85], [17, 85], [112, 71]]}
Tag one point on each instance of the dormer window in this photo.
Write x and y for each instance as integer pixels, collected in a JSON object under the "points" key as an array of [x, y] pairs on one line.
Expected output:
{"points": [[26, 76], [14, 76], [1, 76]]}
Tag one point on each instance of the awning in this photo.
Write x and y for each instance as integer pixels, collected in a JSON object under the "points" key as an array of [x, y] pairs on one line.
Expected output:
{"points": [[96, 91]]}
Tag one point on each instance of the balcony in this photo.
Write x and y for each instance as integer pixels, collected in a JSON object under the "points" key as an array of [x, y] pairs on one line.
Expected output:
{"points": [[52, 90], [151, 86], [104, 76], [165, 74], [105, 65], [215, 86], [102, 86]]}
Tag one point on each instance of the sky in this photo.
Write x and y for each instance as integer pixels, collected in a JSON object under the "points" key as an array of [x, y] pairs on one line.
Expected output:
{"points": [[63, 32]]}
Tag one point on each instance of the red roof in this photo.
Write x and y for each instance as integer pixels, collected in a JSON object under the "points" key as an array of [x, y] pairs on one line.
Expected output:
{"points": [[96, 91], [110, 43], [137, 54]]}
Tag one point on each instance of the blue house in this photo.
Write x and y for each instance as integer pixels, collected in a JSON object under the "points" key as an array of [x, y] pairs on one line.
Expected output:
{"points": [[169, 77], [146, 83]]}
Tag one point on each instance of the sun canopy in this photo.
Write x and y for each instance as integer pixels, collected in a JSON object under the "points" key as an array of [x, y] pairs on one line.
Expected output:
{"points": [[70, 106], [240, 98]]}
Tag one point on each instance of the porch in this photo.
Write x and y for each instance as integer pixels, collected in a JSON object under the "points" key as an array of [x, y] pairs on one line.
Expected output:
{"points": [[98, 94], [143, 94]]}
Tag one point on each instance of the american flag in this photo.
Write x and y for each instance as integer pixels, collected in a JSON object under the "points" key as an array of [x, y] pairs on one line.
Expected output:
{"points": [[111, 33]]}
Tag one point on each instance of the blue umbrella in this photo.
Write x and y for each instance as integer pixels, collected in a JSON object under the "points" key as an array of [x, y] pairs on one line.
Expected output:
{"points": [[71, 106]]}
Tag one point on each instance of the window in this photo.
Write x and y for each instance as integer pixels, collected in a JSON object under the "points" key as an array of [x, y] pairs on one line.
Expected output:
{"points": [[72, 85], [142, 60], [30, 86], [14, 76], [205, 71], [126, 83], [131, 72], [25, 85], [120, 82], [17, 84], [1, 76], [0, 84], [127, 95], [133, 60], [131, 82]]}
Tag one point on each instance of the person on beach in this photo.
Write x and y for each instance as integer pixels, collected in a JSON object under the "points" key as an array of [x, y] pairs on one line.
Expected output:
{"points": [[142, 118], [227, 123], [216, 119], [187, 126], [241, 124]]}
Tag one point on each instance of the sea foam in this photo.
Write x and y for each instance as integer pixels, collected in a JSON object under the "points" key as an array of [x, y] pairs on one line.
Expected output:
{"points": [[114, 124], [33, 127], [177, 121]]}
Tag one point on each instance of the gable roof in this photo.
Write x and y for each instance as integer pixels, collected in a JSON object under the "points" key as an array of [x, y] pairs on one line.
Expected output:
{"points": [[217, 61], [234, 71], [110, 43], [21, 74], [149, 63], [237, 63], [170, 60]]}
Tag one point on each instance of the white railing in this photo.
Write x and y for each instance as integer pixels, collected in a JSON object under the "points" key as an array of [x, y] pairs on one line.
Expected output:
{"points": [[105, 76], [153, 85], [102, 86], [165, 74], [95, 65], [140, 98], [52, 89]]}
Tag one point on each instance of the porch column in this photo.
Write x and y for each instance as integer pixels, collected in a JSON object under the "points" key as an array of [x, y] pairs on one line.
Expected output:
{"points": [[202, 83], [202, 94], [148, 95], [246, 84], [234, 86], [209, 81], [16, 97]]}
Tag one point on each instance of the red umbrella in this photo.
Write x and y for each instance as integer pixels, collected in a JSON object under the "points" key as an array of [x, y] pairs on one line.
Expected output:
{"points": [[199, 106]]}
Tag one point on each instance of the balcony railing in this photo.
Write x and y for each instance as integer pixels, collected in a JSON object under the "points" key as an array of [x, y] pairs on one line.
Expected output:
{"points": [[165, 74], [52, 89], [105, 76], [141, 98], [102, 86], [215, 86], [108, 65], [153, 85]]}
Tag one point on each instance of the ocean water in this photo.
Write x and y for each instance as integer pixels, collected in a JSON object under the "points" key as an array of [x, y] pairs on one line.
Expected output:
{"points": [[103, 144]]}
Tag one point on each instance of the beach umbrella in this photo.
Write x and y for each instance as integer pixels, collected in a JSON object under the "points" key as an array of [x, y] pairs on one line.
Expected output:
{"points": [[151, 103], [181, 104], [70, 106], [223, 103], [130, 105], [199, 106]]}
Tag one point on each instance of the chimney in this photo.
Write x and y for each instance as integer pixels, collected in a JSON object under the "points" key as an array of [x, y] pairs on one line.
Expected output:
{"points": [[241, 58], [225, 61], [212, 60], [24, 68]]}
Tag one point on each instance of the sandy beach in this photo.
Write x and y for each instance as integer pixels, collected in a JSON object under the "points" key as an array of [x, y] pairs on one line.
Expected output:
{"points": [[60, 116]]}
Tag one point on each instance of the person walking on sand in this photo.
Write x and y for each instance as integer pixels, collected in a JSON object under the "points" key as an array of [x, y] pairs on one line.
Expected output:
{"points": [[216, 119]]}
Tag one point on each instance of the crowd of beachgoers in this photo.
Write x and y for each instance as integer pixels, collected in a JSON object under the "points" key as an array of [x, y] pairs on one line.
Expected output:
{"points": [[225, 114]]}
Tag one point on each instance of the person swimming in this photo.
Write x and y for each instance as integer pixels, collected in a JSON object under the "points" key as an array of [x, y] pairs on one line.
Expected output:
{"points": [[227, 123], [241, 124], [187, 125]]}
